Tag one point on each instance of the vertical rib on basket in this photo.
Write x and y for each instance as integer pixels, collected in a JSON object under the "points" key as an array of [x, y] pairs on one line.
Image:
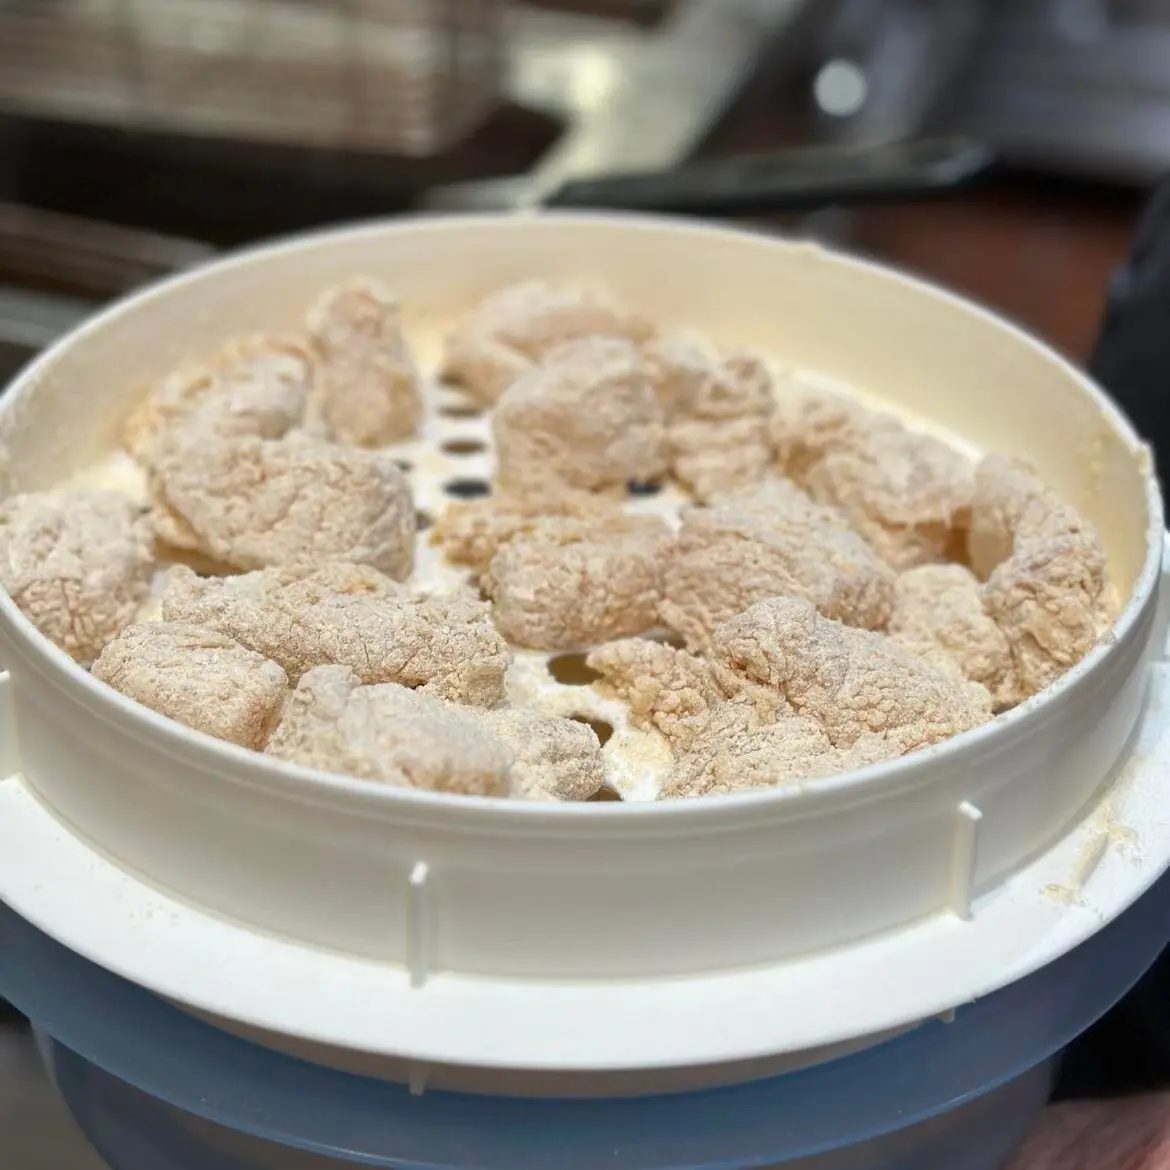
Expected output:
{"points": [[9, 756]]}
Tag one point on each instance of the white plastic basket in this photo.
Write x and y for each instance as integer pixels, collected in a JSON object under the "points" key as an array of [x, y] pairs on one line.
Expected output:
{"points": [[400, 76], [605, 948]]}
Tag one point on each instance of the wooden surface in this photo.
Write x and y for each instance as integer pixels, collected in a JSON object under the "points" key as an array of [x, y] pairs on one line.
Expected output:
{"points": [[1040, 253]]}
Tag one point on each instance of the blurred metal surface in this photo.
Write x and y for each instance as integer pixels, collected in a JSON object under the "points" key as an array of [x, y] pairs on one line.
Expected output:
{"points": [[1080, 86], [1074, 85], [59, 269], [31, 321], [884, 65], [642, 11], [400, 76], [87, 258], [632, 99]]}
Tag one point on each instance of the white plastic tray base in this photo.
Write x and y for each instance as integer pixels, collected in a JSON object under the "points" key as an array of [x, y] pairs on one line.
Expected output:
{"points": [[764, 1017]]}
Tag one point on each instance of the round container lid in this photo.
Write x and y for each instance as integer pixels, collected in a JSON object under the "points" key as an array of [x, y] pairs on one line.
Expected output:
{"points": [[200, 1070], [133, 1131]]}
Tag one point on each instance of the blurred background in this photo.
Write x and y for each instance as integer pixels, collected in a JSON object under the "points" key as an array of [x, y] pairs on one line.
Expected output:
{"points": [[137, 136]]}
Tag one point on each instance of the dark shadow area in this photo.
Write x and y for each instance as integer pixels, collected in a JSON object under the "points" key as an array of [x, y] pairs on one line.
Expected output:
{"points": [[227, 194]]}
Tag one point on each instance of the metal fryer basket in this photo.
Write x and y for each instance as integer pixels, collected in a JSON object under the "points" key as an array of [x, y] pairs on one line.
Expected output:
{"points": [[401, 76]]}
